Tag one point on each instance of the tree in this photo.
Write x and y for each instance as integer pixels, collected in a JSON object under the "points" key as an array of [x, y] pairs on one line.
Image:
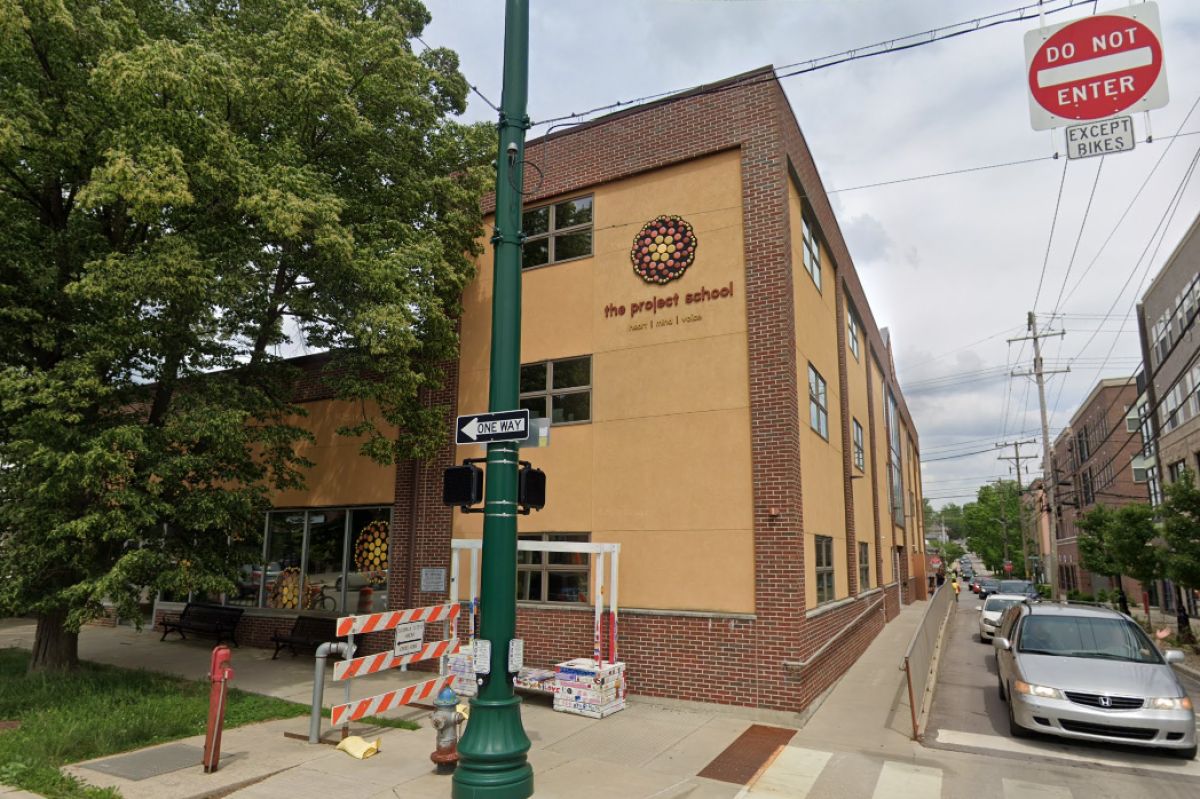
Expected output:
{"points": [[992, 524], [1121, 541], [1181, 529], [184, 189]]}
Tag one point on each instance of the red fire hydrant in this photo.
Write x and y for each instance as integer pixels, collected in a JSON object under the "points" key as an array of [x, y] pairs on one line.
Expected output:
{"points": [[220, 672]]}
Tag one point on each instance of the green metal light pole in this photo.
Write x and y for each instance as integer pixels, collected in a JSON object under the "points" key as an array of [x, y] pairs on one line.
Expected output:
{"points": [[493, 749]]}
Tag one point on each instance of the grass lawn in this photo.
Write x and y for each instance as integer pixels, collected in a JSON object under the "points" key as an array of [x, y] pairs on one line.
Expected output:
{"points": [[102, 710]]}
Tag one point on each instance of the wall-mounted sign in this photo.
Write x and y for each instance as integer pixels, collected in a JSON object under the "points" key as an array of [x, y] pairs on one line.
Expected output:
{"points": [[433, 580], [663, 249]]}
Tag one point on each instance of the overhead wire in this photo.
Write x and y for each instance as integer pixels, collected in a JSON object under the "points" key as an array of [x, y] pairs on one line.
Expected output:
{"points": [[886, 47]]}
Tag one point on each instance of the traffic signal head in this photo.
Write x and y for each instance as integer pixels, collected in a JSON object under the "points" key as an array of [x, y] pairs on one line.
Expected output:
{"points": [[531, 488], [462, 485]]}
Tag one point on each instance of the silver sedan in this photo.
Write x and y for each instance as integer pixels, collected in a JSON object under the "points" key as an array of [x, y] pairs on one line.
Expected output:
{"points": [[1090, 673]]}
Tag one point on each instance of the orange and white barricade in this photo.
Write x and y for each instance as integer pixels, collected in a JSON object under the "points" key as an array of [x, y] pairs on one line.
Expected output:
{"points": [[410, 647]]}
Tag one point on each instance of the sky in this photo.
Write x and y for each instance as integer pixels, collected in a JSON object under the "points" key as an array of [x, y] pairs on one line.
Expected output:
{"points": [[951, 264]]}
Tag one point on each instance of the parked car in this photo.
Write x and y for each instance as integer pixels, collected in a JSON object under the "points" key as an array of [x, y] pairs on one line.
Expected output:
{"points": [[988, 586], [1092, 674], [1025, 587], [990, 612]]}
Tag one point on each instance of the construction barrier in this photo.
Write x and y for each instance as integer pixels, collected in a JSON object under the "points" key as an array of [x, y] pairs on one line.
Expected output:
{"points": [[404, 652]]}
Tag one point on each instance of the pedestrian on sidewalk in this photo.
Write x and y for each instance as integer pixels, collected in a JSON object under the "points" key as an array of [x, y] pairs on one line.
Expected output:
{"points": [[954, 584]]}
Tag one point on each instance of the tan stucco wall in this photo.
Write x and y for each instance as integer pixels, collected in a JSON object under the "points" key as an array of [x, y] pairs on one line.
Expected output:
{"points": [[820, 459], [663, 468], [339, 475]]}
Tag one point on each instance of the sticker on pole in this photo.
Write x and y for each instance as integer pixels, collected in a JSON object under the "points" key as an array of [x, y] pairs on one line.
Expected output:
{"points": [[1096, 67], [483, 656], [409, 638]]}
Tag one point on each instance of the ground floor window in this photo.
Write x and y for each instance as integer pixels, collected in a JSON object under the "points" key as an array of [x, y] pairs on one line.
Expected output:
{"points": [[330, 560], [824, 561], [553, 576], [864, 566]]}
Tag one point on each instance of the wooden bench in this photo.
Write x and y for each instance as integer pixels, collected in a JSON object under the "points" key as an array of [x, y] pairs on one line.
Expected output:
{"points": [[199, 617], [308, 632]]}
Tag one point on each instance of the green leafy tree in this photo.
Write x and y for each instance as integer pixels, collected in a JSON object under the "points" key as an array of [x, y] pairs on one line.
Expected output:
{"points": [[992, 525], [1121, 541], [185, 188], [1181, 529]]}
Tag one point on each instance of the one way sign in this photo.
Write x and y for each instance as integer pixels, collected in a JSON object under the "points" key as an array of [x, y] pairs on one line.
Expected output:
{"points": [[480, 428]]}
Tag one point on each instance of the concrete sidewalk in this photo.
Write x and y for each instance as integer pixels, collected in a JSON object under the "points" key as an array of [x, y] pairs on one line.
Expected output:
{"points": [[653, 749]]}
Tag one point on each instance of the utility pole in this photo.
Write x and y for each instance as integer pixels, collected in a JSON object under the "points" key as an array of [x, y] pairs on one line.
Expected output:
{"points": [[1016, 458], [1049, 474], [493, 750]]}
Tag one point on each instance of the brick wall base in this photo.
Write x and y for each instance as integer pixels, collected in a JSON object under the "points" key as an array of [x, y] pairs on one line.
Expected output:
{"points": [[701, 658]]}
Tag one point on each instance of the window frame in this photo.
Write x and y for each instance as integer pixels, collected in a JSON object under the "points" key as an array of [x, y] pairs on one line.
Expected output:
{"points": [[545, 568], [853, 327], [810, 245], [864, 566], [550, 392], [860, 454], [553, 232], [824, 572], [818, 406]]}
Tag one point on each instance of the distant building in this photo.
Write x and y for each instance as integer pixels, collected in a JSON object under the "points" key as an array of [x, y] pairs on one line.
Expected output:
{"points": [[1169, 409], [1093, 458]]}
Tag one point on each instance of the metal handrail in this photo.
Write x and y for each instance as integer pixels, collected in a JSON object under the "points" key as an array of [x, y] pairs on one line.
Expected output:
{"points": [[797, 665]]}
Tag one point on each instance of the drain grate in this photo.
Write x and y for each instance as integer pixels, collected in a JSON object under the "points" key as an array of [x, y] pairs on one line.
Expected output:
{"points": [[742, 759]]}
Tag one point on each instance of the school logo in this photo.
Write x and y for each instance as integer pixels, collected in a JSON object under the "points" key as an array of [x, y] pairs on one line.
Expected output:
{"points": [[663, 249]]}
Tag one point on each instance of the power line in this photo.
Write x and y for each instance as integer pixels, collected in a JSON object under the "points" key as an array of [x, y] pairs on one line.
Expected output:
{"points": [[472, 86], [1075, 250], [887, 47], [1049, 241]]}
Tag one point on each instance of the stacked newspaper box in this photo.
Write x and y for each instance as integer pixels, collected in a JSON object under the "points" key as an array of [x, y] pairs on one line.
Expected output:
{"points": [[588, 689], [461, 666], [531, 679]]}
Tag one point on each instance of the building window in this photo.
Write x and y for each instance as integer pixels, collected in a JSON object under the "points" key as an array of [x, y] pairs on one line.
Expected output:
{"points": [[852, 327], [895, 476], [327, 560], [560, 391], [1175, 471], [553, 576], [558, 232], [1087, 486], [818, 403], [864, 566], [812, 251], [860, 457], [824, 560]]}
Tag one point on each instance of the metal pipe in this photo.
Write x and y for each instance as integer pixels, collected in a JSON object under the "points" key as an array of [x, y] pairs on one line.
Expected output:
{"points": [[323, 651]]}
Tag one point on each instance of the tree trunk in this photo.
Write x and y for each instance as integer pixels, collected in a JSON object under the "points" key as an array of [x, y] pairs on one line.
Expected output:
{"points": [[1181, 618], [54, 649], [1121, 598]]}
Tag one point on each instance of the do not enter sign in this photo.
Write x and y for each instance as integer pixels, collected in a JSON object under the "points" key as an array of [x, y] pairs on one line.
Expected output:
{"points": [[1096, 67]]}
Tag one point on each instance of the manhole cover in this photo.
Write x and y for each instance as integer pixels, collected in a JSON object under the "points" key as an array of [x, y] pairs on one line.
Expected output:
{"points": [[742, 759], [153, 762]]}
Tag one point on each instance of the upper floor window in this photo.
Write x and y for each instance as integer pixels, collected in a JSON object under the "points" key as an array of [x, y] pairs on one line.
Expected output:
{"points": [[824, 560], [560, 391], [852, 327], [860, 459], [558, 232], [818, 403], [812, 251]]}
